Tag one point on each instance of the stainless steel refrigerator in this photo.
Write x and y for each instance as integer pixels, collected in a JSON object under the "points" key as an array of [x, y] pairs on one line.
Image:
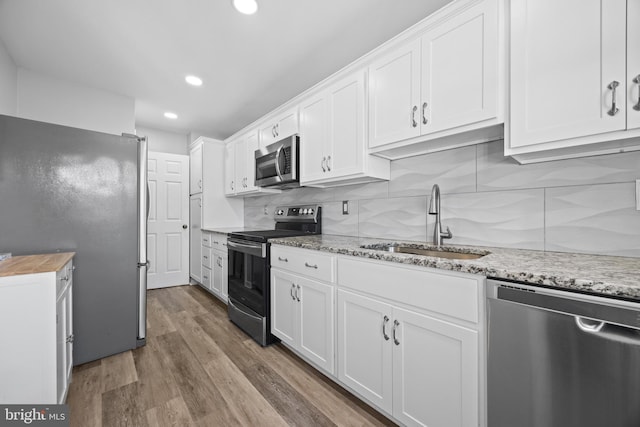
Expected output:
{"points": [[68, 189]]}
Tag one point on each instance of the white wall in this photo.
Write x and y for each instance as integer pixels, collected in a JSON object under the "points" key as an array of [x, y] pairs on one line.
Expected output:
{"points": [[48, 99], [8, 83], [163, 141]]}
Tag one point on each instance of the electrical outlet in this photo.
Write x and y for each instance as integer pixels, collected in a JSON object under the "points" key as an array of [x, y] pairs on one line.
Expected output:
{"points": [[638, 194], [345, 207]]}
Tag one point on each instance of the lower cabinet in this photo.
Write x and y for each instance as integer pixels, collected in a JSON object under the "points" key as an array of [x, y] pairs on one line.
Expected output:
{"points": [[302, 316], [419, 369], [214, 264], [36, 326], [220, 279]]}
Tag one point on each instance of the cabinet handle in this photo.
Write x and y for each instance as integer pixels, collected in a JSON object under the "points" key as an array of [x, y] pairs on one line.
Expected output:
{"points": [[219, 261], [413, 116], [232, 186], [424, 115], [612, 86], [273, 131], [637, 81], [395, 326], [298, 293], [277, 129], [205, 257], [384, 328], [311, 266], [200, 183], [70, 338], [293, 287], [328, 164], [283, 259], [215, 242], [324, 159], [205, 277]]}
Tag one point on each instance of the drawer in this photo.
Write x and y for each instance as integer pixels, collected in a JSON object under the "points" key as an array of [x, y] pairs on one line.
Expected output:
{"points": [[206, 277], [206, 257], [314, 264], [219, 241], [452, 294], [206, 239]]}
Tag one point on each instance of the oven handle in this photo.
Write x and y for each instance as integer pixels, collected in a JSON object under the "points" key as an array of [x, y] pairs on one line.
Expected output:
{"points": [[255, 249]]}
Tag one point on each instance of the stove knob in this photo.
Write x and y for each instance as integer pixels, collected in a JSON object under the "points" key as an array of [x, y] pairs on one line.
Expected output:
{"points": [[304, 211], [280, 212], [311, 211]]}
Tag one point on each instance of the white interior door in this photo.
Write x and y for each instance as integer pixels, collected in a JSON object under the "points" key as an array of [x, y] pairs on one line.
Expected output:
{"points": [[168, 225]]}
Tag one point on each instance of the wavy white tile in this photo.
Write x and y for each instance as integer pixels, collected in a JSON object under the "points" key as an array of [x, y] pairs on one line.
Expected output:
{"points": [[255, 217], [372, 190], [511, 219], [599, 219], [334, 222], [453, 170], [496, 172], [393, 218]]}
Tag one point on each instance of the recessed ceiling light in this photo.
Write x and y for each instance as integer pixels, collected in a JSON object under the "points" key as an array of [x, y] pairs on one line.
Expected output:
{"points": [[193, 80], [248, 7], [170, 115]]}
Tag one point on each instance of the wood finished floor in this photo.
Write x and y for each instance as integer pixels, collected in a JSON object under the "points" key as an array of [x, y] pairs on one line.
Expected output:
{"points": [[198, 369]]}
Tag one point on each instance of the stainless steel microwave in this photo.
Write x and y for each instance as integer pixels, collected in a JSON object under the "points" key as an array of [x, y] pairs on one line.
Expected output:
{"points": [[277, 164]]}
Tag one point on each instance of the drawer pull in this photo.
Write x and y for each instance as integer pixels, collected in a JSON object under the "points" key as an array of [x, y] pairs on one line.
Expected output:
{"points": [[637, 81], [283, 259], [205, 257], [293, 287], [310, 266], [414, 123], [384, 328], [206, 277], [215, 242], [298, 293], [612, 87]]}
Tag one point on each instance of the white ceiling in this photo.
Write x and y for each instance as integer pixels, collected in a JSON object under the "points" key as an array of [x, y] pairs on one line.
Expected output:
{"points": [[250, 64]]}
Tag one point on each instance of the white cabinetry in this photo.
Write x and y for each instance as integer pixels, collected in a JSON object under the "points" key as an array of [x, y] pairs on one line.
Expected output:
{"points": [[441, 84], [214, 264], [195, 169], [36, 326], [302, 304], [570, 62], [279, 127], [408, 341], [239, 165], [333, 137], [195, 235]]}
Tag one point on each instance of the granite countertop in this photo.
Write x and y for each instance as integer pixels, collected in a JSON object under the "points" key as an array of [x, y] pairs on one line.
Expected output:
{"points": [[34, 264], [605, 275], [229, 230]]}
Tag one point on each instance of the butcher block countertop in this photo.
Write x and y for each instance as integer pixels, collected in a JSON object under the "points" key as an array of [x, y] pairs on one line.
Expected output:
{"points": [[34, 264]]}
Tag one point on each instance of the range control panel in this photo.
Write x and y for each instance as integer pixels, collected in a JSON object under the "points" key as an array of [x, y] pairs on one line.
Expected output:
{"points": [[297, 213]]}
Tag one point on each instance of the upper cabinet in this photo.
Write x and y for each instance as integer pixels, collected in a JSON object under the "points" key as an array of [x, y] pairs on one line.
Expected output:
{"points": [[575, 78], [239, 166], [333, 137], [440, 84], [279, 127]]}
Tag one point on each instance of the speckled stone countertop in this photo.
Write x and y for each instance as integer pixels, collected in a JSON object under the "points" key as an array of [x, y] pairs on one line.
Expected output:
{"points": [[229, 230], [605, 275]]}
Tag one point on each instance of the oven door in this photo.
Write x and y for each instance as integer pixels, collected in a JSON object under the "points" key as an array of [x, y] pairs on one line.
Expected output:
{"points": [[248, 274]]}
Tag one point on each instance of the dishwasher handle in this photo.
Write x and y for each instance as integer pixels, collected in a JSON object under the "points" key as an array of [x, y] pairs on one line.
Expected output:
{"points": [[589, 307], [607, 331]]}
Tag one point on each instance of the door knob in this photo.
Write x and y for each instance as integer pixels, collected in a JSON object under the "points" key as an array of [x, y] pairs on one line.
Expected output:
{"points": [[185, 226]]}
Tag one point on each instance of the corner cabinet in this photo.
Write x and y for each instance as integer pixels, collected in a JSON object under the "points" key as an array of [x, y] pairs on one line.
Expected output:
{"points": [[444, 83], [590, 102], [36, 326], [333, 137], [409, 341], [302, 304]]}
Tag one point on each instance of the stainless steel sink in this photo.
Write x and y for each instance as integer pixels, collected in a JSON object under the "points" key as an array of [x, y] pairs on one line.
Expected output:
{"points": [[438, 253]]}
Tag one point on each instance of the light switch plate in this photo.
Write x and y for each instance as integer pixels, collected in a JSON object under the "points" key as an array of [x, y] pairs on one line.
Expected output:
{"points": [[638, 194]]}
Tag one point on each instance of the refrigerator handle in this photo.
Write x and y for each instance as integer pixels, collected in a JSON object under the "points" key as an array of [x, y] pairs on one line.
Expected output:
{"points": [[143, 263]]}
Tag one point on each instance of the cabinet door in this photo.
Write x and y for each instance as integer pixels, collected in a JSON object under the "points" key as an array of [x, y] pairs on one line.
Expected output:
{"points": [[459, 73], [219, 270], [435, 371], [241, 165], [313, 139], [564, 57], [61, 346], [250, 161], [283, 306], [316, 336], [69, 333], [394, 92], [281, 127], [224, 285], [346, 148], [633, 64], [195, 169], [195, 238], [229, 169], [365, 348]]}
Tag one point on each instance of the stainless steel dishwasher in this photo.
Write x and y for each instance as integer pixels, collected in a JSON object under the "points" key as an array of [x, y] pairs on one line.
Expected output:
{"points": [[561, 359]]}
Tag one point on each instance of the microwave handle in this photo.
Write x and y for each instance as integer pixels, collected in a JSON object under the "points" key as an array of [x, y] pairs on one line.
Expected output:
{"points": [[278, 171]]}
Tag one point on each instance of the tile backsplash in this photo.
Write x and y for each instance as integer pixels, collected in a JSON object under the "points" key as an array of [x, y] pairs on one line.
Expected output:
{"points": [[578, 205]]}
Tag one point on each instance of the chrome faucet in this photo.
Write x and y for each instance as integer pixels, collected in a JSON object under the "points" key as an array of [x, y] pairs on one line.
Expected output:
{"points": [[434, 209]]}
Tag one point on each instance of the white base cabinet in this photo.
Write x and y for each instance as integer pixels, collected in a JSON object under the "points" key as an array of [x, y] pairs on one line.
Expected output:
{"points": [[214, 264], [36, 326]]}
